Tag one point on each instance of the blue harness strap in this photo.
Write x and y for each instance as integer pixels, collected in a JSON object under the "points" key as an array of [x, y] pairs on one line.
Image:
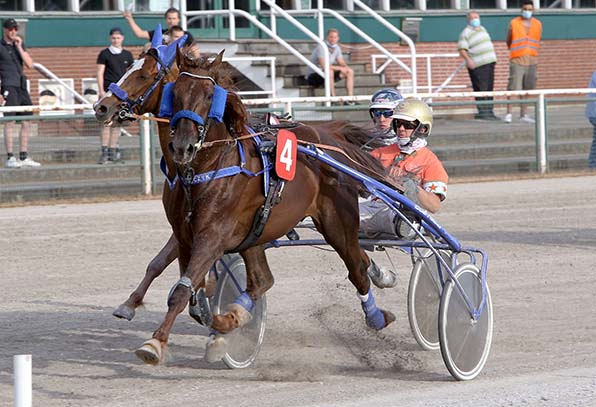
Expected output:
{"points": [[218, 103], [167, 98], [186, 114], [119, 92]]}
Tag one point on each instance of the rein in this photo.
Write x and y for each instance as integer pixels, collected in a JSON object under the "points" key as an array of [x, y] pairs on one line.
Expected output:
{"points": [[128, 104]]}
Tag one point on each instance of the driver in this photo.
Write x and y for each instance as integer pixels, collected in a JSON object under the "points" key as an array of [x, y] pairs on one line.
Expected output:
{"points": [[412, 164], [382, 105]]}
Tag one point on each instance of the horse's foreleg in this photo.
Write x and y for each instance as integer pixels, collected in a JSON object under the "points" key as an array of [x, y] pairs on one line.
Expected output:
{"points": [[159, 263], [259, 279], [152, 351]]}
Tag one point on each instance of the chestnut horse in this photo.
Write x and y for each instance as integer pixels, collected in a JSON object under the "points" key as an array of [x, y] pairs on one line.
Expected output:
{"points": [[143, 87], [216, 215]]}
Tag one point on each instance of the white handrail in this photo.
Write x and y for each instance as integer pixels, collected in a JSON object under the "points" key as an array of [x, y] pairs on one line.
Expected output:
{"points": [[271, 60], [401, 35], [380, 69], [325, 73], [45, 71], [266, 29], [347, 23]]}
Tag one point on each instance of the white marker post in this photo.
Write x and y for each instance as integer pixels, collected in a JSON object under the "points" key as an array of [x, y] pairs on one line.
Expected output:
{"points": [[22, 381]]}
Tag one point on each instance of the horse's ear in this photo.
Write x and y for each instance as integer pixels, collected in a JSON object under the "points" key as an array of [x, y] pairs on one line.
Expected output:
{"points": [[218, 59], [179, 58]]}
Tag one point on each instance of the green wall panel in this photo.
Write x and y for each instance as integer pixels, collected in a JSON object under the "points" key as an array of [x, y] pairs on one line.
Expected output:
{"points": [[93, 31]]}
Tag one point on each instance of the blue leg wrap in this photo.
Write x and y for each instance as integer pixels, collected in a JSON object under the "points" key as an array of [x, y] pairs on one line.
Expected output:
{"points": [[245, 301], [374, 317]]}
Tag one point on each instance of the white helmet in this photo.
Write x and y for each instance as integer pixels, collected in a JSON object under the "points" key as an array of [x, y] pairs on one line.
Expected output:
{"points": [[385, 99]]}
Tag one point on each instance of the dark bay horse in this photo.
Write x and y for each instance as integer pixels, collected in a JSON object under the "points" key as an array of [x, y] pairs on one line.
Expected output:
{"points": [[208, 137], [140, 92]]}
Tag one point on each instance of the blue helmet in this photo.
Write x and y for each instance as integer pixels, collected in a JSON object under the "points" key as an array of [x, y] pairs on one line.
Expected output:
{"points": [[385, 99]]}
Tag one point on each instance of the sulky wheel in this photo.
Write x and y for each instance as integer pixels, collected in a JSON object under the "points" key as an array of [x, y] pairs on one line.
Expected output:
{"points": [[245, 342], [465, 342], [424, 297]]}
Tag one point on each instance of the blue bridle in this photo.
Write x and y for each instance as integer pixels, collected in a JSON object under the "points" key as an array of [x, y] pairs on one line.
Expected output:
{"points": [[165, 56]]}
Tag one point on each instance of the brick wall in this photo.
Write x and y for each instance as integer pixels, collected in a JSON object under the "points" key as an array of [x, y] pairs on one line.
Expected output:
{"points": [[562, 64], [75, 62]]}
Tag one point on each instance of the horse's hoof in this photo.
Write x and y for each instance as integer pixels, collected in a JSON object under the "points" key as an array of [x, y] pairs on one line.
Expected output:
{"points": [[235, 317], [124, 312], [150, 352], [216, 348], [389, 317]]}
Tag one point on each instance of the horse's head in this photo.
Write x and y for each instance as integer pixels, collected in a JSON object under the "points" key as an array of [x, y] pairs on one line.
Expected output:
{"points": [[139, 90], [201, 102]]}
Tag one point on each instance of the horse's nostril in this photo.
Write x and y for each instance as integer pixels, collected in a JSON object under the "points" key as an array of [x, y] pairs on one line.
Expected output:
{"points": [[189, 149], [171, 147], [101, 109]]}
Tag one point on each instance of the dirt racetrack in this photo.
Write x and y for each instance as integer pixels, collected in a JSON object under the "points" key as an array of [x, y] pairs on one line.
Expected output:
{"points": [[64, 268]]}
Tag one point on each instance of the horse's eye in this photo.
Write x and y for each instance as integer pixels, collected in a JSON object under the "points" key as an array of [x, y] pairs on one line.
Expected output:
{"points": [[210, 96]]}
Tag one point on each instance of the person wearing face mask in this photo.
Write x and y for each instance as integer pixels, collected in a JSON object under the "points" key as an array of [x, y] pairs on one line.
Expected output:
{"points": [[476, 48], [338, 68], [523, 41], [411, 164]]}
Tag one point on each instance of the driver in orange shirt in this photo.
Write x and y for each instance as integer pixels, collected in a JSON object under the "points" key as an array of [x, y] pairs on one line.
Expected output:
{"points": [[412, 164]]}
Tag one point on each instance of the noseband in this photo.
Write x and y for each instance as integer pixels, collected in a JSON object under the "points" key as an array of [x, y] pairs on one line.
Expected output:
{"points": [[216, 111], [128, 104]]}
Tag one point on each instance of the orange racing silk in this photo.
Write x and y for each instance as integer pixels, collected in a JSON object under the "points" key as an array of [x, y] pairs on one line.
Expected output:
{"points": [[422, 165], [523, 41]]}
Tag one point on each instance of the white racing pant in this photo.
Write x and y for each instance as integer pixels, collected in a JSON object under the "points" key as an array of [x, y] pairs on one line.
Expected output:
{"points": [[377, 220]]}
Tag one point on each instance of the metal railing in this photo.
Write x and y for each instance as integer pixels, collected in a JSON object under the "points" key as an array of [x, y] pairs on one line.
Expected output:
{"points": [[380, 69], [273, 91], [232, 12], [79, 146]]}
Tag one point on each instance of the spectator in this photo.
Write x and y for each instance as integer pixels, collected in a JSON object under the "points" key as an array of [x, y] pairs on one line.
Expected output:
{"points": [[176, 32], [172, 16], [338, 69], [476, 48], [416, 167], [13, 92], [382, 105], [591, 115], [112, 63], [523, 41]]}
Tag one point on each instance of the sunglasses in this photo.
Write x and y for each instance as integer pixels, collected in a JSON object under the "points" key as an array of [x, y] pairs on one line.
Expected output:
{"points": [[408, 125], [385, 113]]}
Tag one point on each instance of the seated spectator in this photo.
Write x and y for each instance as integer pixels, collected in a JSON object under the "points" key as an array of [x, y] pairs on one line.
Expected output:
{"points": [[338, 68]]}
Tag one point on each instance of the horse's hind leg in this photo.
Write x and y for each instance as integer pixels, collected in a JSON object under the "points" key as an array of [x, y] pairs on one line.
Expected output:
{"points": [[163, 259], [258, 280], [339, 225]]}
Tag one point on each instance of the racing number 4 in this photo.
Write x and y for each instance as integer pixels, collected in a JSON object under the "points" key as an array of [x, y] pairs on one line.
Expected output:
{"points": [[285, 157]]}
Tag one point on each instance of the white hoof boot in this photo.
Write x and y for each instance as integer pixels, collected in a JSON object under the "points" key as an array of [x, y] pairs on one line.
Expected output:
{"points": [[381, 276], [216, 348], [150, 352]]}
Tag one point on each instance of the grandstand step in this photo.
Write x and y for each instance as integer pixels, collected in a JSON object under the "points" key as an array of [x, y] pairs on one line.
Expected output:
{"points": [[361, 79], [340, 90]]}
